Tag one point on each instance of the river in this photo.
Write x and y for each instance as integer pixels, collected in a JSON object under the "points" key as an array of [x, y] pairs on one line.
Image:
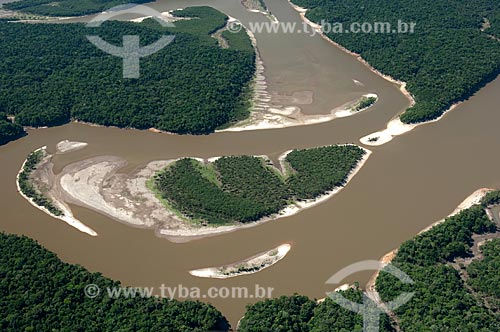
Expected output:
{"points": [[406, 184]]}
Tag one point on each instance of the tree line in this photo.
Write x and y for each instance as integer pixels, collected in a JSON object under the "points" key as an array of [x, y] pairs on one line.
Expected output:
{"points": [[66, 7], [50, 74], [246, 188], [40, 293], [447, 58]]}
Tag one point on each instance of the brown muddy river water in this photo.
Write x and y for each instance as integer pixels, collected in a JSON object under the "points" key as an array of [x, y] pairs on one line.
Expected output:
{"points": [[406, 184]]}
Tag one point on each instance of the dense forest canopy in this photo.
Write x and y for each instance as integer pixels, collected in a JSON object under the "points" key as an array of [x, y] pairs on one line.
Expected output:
{"points": [[443, 300], [9, 131], [40, 293], [50, 73], [447, 59], [300, 314], [246, 188], [66, 7]]}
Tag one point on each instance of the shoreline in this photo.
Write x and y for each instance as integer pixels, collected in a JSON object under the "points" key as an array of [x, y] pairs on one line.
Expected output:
{"points": [[67, 216], [395, 127], [287, 211], [264, 116], [97, 184], [251, 265], [471, 200]]}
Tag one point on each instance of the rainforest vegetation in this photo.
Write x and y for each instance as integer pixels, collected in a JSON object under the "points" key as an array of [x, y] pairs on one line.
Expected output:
{"points": [[445, 60], [442, 300], [300, 314], [247, 188], [365, 102], [29, 189], [9, 131], [39, 292], [66, 7], [50, 73]]}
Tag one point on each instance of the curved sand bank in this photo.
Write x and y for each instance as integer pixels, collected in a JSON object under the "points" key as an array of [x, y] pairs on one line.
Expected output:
{"points": [[471, 200], [250, 265], [45, 174], [266, 116], [255, 6], [296, 207], [95, 183], [395, 127]]}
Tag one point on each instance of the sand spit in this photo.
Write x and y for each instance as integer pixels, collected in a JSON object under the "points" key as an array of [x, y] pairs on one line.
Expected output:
{"points": [[255, 6], [68, 146], [471, 200], [306, 204], [395, 127], [44, 177], [250, 265], [96, 183], [265, 115]]}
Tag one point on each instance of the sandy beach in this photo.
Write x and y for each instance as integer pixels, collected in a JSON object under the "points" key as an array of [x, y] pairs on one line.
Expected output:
{"points": [[473, 199], [250, 265], [96, 183], [67, 216], [395, 127]]}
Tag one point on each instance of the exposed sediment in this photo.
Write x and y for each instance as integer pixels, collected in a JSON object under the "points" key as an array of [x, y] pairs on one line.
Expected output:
{"points": [[250, 265]]}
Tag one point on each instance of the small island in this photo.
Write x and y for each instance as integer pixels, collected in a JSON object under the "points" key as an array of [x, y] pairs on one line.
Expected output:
{"points": [[250, 265], [191, 198], [245, 189]]}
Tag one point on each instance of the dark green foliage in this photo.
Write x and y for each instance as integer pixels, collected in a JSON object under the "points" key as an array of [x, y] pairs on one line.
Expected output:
{"points": [[9, 131], [245, 189], [484, 274], [66, 7], [38, 292], [284, 314], [446, 60], [185, 187], [321, 169], [365, 103], [29, 190], [446, 241], [300, 314], [441, 301], [491, 198], [51, 73]]}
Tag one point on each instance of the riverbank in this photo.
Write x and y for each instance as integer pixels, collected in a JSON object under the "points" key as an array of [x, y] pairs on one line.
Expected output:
{"points": [[471, 200], [258, 6], [395, 127], [67, 215], [97, 184], [250, 265]]}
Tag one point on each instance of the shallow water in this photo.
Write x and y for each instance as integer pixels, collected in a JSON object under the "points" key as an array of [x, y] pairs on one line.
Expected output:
{"points": [[405, 185]]}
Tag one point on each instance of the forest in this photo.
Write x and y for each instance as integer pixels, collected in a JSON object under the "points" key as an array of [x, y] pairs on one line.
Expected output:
{"points": [[300, 314], [247, 188], [442, 301], [446, 60], [28, 189], [66, 7], [40, 293], [50, 74], [9, 131]]}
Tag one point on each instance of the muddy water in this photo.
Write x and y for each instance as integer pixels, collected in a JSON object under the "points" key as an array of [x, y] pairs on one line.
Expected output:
{"points": [[406, 185]]}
